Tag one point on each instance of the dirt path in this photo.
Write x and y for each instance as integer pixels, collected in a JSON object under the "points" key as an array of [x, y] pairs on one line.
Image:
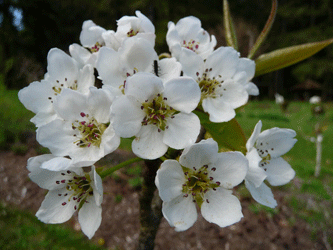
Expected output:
{"points": [[120, 224]]}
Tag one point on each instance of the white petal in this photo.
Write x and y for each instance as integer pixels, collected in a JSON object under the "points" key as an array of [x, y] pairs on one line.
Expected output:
{"points": [[61, 66], [42, 118], [148, 143], [52, 211], [252, 89], [262, 194], [90, 217], [86, 79], [110, 141], [188, 26], [111, 40], [47, 179], [254, 136], [180, 212], [182, 131], [138, 54], [169, 180], [107, 65], [126, 116], [223, 209], [143, 86], [255, 174], [57, 164], [97, 187], [276, 141], [231, 169], [279, 172], [35, 97], [99, 103], [73, 99], [34, 163], [57, 136], [80, 54], [234, 94], [192, 64], [218, 110], [146, 24], [168, 68], [223, 61], [199, 154], [91, 33], [182, 93], [248, 66]]}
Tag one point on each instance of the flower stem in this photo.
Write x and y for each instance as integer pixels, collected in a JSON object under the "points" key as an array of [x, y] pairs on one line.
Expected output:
{"points": [[150, 207], [109, 171]]}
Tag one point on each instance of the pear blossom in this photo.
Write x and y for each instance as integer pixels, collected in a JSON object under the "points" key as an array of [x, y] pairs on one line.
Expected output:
{"points": [[223, 79], [62, 72], [205, 177], [264, 150], [135, 55], [187, 35], [70, 189], [92, 40], [132, 26], [158, 115], [82, 130]]}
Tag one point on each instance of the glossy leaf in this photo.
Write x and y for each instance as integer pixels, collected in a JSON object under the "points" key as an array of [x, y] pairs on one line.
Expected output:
{"points": [[285, 57], [229, 135], [229, 28], [261, 38]]}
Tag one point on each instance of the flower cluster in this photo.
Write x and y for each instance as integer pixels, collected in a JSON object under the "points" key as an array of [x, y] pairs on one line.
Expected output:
{"points": [[154, 101]]}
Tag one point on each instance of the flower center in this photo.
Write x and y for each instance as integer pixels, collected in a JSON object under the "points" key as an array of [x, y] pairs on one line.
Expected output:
{"points": [[57, 88], [132, 32], [191, 45], [96, 47], [77, 187], [198, 183], [208, 86], [90, 131], [157, 112]]}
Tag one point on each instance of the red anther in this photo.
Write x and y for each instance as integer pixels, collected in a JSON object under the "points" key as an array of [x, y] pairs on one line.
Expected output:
{"points": [[82, 114]]}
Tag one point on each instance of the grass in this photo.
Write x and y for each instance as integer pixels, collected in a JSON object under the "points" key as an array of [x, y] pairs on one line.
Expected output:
{"points": [[14, 121]]}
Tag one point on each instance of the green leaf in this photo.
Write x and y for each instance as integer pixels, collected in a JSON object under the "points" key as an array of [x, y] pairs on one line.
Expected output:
{"points": [[229, 134], [285, 57], [261, 38], [229, 28]]}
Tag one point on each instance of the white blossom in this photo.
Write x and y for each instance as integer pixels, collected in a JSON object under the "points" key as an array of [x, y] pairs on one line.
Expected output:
{"points": [[135, 55], [62, 72], [70, 189], [134, 26], [187, 35], [205, 177], [92, 40], [82, 130], [264, 151], [223, 79], [158, 115]]}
